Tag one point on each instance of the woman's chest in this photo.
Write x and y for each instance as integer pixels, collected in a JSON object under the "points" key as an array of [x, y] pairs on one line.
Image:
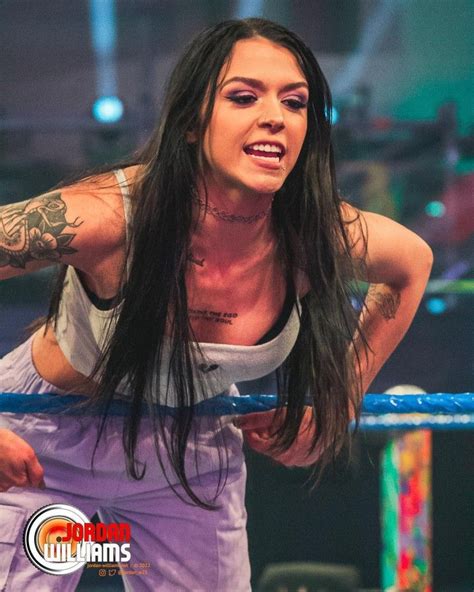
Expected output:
{"points": [[234, 306]]}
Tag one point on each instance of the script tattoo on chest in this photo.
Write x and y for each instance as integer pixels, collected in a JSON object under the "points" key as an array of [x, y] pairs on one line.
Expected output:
{"points": [[34, 230], [386, 300], [213, 316]]}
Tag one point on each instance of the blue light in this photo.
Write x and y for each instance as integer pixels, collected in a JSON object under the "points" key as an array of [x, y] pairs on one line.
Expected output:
{"points": [[436, 305], [435, 209], [103, 22], [332, 115], [247, 8], [103, 32], [107, 110]]}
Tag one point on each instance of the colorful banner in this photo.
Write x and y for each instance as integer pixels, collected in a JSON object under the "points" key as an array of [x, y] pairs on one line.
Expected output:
{"points": [[406, 513]]}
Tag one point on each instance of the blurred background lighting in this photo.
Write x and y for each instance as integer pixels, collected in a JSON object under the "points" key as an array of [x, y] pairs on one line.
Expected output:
{"points": [[103, 25], [436, 306], [435, 209], [107, 110], [103, 31], [334, 115], [380, 21], [249, 8]]}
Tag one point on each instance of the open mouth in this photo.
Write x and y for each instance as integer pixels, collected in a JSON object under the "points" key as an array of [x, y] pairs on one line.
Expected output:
{"points": [[267, 152]]}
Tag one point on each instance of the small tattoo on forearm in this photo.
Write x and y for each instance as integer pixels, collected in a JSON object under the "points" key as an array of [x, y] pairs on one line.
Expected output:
{"points": [[213, 316], [33, 230], [193, 259], [386, 300]]}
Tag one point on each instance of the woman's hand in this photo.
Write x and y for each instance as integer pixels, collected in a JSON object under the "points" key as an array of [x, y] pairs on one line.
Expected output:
{"points": [[19, 466], [259, 427]]}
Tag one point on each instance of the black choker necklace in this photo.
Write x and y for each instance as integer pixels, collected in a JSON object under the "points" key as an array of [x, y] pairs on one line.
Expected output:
{"points": [[226, 217]]}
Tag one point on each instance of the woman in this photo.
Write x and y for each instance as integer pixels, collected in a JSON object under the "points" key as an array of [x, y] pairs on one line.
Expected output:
{"points": [[221, 253]]}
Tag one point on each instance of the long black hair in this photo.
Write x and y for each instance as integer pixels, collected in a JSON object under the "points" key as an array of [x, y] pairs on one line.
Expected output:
{"points": [[321, 369]]}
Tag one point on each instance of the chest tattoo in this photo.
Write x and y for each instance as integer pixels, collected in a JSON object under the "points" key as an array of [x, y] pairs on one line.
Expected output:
{"points": [[213, 316]]}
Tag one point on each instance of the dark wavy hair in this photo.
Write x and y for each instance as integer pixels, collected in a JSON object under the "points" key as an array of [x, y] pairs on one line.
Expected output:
{"points": [[321, 369]]}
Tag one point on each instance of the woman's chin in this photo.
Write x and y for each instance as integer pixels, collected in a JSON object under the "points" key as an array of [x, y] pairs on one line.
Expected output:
{"points": [[267, 187]]}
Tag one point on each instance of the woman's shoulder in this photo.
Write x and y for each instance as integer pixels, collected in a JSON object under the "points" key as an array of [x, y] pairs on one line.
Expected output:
{"points": [[134, 173], [94, 214], [99, 202], [107, 187], [82, 224], [99, 199]]}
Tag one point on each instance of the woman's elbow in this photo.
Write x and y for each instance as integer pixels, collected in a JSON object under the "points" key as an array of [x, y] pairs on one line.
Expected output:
{"points": [[425, 257], [418, 258], [414, 266]]}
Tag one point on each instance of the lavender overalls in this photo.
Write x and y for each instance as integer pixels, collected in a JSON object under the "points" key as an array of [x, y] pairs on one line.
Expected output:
{"points": [[188, 548]]}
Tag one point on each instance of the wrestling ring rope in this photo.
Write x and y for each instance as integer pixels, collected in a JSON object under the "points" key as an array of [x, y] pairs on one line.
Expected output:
{"points": [[405, 462], [438, 411]]}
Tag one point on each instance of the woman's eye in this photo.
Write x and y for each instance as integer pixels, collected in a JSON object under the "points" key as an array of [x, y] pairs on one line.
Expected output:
{"points": [[295, 103], [242, 99]]}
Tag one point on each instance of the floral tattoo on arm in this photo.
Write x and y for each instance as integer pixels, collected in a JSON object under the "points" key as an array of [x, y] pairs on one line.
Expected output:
{"points": [[34, 230], [386, 300]]}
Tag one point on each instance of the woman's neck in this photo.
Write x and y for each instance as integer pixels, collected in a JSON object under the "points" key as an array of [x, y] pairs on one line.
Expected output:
{"points": [[222, 240], [231, 226]]}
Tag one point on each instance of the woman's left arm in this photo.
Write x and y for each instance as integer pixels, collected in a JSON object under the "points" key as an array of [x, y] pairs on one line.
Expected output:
{"points": [[397, 263]]}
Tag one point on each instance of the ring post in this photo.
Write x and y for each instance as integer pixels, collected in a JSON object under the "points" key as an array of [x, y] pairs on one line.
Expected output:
{"points": [[406, 512]]}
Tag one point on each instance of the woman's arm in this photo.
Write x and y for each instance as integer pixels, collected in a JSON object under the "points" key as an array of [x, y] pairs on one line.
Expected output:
{"points": [[397, 264], [80, 225]]}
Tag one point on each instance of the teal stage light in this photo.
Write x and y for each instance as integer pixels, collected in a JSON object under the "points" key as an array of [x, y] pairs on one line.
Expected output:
{"points": [[332, 115], [435, 209], [436, 306], [108, 110]]}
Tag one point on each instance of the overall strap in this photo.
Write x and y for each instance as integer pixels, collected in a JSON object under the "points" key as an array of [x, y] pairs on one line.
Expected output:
{"points": [[127, 207]]}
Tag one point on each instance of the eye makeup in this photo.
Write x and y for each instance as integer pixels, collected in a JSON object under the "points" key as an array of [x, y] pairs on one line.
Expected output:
{"points": [[295, 103]]}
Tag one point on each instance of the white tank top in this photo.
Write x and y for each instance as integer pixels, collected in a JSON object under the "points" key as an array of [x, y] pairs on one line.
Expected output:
{"points": [[81, 330]]}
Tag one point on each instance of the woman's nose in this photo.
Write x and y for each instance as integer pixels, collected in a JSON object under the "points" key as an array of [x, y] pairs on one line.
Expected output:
{"points": [[272, 122], [272, 118]]}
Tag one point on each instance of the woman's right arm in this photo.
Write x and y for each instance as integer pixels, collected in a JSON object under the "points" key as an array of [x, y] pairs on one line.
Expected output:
{"points": [[80, 225], [19, 466]]}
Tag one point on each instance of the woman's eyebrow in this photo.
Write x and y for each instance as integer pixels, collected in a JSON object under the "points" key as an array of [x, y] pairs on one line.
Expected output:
{"points": [[258, 84]]}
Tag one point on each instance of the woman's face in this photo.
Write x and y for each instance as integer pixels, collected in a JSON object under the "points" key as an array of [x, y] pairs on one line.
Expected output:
{"points": [[259, 120]]}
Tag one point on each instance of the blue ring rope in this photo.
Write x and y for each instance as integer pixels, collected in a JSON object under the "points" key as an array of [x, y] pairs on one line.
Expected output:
{"points": [[390, 421], [445, 403]]}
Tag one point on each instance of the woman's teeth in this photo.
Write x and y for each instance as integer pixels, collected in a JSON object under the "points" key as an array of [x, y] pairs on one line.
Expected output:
{"points": [[264, 151], [266, 157], [265, 148]]}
